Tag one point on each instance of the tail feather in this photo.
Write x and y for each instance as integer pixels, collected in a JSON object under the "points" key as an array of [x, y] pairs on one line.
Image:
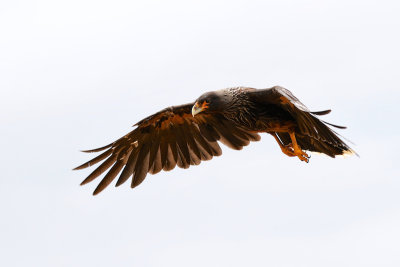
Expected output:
{"points": [[314, 145], [336, 126], [320, 113], [323, 140]]}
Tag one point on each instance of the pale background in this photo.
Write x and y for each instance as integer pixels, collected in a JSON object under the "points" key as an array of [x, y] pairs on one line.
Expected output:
{"points": [[77, 74]]}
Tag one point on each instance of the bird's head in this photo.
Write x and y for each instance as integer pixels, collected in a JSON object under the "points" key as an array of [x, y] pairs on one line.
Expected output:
{"points": [[210, 102]]}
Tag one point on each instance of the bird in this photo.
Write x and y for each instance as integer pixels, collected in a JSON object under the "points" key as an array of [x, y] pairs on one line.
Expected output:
{"points": [[187, 134]]}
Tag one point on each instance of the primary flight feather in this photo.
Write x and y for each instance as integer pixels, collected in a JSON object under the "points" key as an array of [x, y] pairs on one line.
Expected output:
{"points": [[188, 134]]}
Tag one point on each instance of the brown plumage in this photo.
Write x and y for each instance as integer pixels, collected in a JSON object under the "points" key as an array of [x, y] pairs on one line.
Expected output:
{"points": [[188, 134]]}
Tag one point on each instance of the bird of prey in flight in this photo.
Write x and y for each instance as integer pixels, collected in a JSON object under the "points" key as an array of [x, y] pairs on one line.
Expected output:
{"points": [[188, 134]]}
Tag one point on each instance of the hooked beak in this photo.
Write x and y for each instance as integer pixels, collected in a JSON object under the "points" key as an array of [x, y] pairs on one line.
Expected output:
{"points": [[196, 109]]}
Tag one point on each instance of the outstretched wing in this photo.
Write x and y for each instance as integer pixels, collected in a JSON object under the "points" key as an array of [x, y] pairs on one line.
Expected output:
{"points": [[163, 140], [322, 138]]}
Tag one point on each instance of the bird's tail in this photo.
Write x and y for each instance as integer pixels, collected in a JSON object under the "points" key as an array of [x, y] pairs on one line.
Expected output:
{"points": [[327, 141]]}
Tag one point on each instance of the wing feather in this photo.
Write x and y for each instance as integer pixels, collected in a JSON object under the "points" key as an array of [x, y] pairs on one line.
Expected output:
{"points": [[162, 141], [98, 149], [194, 151], [142, 165], [184, 155], [95, 160], [110, 176], [155, 165], [129, 167], [203, 146], [172, 156], [99, 170]]}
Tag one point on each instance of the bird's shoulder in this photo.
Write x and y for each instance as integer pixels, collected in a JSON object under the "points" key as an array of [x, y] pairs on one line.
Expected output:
{"points": [[178, 112]]}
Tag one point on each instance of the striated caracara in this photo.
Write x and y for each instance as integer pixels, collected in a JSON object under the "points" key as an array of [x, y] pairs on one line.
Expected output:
{"points": [[187, 134]]}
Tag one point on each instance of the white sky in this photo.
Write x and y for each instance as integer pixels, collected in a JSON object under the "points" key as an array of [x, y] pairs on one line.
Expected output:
{"points": [[77, 74]]}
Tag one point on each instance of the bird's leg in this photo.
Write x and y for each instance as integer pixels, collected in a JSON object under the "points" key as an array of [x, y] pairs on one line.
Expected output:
{"points": [[286, 149], [303, 156]]}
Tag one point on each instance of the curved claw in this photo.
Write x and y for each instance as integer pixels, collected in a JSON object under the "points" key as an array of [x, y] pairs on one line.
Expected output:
{"points": [[303, 156]]}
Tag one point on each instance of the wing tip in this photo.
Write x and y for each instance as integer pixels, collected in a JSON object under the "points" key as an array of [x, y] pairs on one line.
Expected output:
{"points": [[80, 167], [96, 149], [97, 191], [86, 181]]}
